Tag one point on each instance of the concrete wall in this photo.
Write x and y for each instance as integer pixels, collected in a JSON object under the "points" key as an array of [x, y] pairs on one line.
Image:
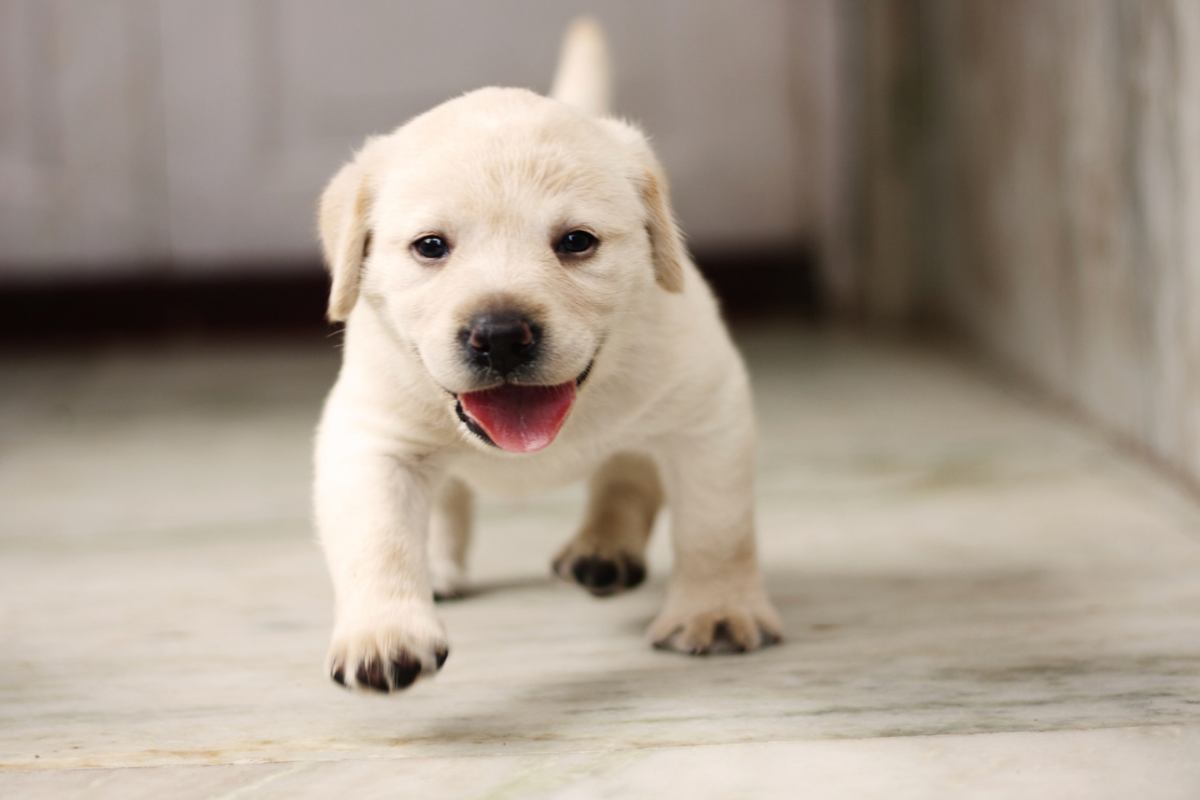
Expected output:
{"points": [[1032, 177]]}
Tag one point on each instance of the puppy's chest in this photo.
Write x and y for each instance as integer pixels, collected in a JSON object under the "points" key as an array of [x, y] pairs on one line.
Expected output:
{"points": [[523, 475]]}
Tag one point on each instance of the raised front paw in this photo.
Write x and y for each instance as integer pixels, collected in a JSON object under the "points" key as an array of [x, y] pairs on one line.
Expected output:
{"points": [[704, 621], [388, 652], [601, 572]]}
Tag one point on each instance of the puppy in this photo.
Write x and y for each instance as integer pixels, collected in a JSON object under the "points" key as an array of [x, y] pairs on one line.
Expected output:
{"points": [[521, 311]]}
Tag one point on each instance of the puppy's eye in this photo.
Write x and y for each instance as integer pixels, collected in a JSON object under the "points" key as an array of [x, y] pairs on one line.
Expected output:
{"points": [[576, 243], [431, 248]]}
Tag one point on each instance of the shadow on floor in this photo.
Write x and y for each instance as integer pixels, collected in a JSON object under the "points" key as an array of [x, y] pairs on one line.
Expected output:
{"points": [[868, 655]]}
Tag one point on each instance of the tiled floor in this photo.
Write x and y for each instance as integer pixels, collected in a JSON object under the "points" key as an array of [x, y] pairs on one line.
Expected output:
{"points": [[982, 598]]}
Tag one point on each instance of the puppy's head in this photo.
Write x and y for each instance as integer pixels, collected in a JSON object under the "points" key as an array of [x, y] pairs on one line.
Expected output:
{"points": [[500, 236]]}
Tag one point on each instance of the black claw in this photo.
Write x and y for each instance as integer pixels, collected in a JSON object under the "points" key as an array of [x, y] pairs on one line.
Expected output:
{"points": [[635, 573], [370, 674], [769, 638], [405, 671], [442, 654], [339, 675]]}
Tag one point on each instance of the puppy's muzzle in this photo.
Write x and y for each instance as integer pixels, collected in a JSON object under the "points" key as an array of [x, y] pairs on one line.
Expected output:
{"points": [[500, 342]]}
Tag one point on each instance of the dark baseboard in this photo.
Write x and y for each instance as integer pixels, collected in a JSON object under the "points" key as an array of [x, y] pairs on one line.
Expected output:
{"points": [[780, 283], [287, 302]]}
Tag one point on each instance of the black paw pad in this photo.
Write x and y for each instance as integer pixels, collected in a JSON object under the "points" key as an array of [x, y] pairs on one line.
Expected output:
{"points": [[594, 572], [370, 675], [635, 573], [405, 670], [605, 576]]}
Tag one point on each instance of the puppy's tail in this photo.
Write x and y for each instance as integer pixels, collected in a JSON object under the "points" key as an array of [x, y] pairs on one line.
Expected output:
{"points": [[583, 76]]}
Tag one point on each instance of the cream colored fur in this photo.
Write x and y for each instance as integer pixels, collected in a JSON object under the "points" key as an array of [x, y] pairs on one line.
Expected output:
{"points": [[664, 413]]}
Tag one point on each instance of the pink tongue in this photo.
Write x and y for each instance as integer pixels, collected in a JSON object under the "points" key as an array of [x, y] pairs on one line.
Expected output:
{"points": [[521, 419]]}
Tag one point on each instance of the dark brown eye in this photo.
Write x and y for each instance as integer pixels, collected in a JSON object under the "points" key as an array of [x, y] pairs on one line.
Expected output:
{"points": [[431, 248], [576, 243]]}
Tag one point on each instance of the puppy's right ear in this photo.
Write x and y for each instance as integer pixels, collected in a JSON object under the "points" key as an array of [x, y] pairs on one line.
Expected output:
{"points": [[343, 219]]}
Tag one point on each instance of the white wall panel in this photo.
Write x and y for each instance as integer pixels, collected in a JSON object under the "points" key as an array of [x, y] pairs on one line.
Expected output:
{"points": [[82, 179], [200, 132]]}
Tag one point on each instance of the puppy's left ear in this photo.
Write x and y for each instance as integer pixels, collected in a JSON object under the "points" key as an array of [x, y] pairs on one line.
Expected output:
{"points": [[666, 239], [343, 219]]}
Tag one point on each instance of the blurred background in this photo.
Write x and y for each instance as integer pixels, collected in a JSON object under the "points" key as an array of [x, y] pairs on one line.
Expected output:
{"points": [[1022, 174]]}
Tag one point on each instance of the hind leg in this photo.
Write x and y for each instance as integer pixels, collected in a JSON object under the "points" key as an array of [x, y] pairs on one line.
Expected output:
{"points": [[449, 538], [607, 555]]}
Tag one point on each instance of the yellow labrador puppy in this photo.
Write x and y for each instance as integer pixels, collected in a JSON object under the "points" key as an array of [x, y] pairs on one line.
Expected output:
{"points": [[521, 311]]}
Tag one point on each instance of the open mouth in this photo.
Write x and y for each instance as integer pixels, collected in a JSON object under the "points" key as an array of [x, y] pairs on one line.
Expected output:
{"points": [[519, 418]]}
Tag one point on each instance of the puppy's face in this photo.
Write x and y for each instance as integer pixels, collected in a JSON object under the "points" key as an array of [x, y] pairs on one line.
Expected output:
{"points": [[501, 235]]}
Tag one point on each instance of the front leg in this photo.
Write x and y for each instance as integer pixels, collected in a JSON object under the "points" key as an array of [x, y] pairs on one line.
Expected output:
{"points": [[372, 513], [715, 598], [607, 555], [449, 539]]}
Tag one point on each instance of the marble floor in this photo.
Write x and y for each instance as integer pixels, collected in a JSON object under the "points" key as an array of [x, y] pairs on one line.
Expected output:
{"points": [[982, 599]]}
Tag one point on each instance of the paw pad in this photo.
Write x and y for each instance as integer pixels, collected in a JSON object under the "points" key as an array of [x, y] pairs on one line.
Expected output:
{"points": [[392, 674], [600, 575]]}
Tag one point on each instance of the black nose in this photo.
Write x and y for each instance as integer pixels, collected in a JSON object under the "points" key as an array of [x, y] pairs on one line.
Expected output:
{"points": [[501, 341]]}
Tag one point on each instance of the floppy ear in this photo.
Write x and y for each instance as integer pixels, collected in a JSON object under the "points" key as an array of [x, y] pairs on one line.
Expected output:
{"points": [[343, 221], [666, 239]]}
